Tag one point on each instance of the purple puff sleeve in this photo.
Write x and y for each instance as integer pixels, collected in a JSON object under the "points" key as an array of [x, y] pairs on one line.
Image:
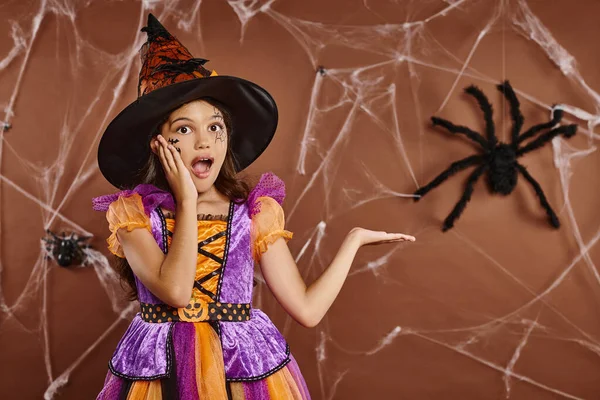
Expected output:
{"points": [[152, 197], [269, 185], [266, 213]]}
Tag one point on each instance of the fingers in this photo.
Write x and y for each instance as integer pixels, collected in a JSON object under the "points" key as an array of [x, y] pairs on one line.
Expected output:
{"points": [[177, 158], [379, 237], [401, 237], [161, 157], [167, 150], [384, 237]]}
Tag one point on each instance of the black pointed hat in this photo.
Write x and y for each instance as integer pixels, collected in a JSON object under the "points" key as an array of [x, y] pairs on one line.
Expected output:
{"points": [[169, 78]]}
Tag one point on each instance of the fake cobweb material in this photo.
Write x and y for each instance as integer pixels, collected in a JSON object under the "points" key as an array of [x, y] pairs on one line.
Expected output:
{"points": [[360, 89]]}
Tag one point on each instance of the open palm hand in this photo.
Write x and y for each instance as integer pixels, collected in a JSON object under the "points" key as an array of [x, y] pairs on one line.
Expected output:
{"points": [[369, 237]]}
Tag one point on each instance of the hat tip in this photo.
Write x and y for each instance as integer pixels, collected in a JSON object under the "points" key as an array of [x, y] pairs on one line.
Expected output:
{"points": [[153, 27], [152, 19]]}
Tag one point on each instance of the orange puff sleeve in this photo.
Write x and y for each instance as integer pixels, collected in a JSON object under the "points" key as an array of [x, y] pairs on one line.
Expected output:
{"points": [[267, 226], [127, 213]]}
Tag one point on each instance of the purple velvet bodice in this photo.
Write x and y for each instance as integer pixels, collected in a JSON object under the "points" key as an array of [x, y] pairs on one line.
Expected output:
{"points": [[252, 349]]}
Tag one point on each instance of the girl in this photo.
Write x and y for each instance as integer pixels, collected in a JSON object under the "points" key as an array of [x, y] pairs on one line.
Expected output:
{"points": [[187, 233]]}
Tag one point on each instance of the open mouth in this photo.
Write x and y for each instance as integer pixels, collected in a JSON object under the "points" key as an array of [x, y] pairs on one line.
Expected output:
{"points": [[201, 166]]}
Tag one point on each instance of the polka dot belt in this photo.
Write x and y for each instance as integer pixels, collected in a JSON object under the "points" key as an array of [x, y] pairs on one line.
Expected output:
{"points": [[196, 311]]}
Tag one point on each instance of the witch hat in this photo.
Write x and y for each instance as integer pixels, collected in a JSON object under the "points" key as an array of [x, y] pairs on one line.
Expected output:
{"points": [[170, 77]]}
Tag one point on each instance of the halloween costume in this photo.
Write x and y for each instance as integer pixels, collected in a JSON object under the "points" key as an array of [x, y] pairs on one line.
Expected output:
{"points": [[218, 346]]}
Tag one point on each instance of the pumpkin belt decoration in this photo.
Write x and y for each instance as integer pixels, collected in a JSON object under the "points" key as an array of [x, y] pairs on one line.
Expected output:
{"points": [[199, 310]]}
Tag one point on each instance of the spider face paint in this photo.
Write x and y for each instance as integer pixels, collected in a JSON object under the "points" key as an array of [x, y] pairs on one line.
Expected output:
{"points": [[220, 135]]}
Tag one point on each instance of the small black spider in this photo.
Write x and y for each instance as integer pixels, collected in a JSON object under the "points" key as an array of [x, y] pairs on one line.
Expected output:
{"points": [[66, 250], [498, 158]]}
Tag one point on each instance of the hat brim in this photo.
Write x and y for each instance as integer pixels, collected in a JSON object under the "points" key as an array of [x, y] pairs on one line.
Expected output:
{"points": [[125, 146]]}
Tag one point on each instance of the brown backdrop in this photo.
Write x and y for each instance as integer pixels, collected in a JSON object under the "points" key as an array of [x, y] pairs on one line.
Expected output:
{"points": [[501, 306]]}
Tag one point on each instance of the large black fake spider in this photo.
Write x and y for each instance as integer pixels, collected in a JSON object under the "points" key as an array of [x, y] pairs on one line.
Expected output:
{"points": [[66, 250], [498, 159]]}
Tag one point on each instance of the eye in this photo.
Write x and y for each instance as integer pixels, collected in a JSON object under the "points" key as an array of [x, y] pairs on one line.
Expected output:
{"points": [[216, 127], [184, 130]]}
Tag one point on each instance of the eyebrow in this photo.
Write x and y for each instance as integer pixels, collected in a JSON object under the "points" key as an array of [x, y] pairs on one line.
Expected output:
{"points": [[214, 116], [180, 119]]}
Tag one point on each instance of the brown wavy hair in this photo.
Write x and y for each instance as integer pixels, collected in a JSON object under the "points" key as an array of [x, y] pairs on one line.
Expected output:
{"points": [[227, 183]]}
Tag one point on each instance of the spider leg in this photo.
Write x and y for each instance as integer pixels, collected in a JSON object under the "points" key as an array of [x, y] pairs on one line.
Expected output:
{"points": [[455, 167], [486, 107], [48, 231], [565, 130], [462, 203], [82, 239], [474, 136], [552, 218], [515, 110], [80, 256], [556, 118]]}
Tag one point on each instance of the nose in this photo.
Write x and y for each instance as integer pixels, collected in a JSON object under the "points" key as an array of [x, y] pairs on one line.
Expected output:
{"points": [[202, 140]]}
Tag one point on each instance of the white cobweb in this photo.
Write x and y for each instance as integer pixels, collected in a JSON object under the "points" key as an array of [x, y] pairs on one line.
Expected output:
{"points": [[355, 94]]}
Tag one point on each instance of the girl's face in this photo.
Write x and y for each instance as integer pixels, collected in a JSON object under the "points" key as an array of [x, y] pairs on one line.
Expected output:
{"points": [[197, 129]]}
